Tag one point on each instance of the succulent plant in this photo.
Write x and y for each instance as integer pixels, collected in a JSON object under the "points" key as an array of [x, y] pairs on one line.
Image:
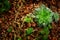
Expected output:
{"points": [[4, 5], [19, 38], [44, 33], [29, 31], [28, 18], [56, 17], [10, 29], [44, 16]]}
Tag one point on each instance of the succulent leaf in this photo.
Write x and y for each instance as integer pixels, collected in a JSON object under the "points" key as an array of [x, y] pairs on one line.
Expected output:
{"points": [[56, 17]]}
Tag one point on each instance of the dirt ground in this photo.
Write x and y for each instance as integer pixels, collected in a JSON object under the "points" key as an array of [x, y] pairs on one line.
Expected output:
{"points": [[13, 18]]}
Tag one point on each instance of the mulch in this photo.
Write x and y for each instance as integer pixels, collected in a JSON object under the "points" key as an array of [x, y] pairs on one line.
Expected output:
{"points": [[18, 10]]}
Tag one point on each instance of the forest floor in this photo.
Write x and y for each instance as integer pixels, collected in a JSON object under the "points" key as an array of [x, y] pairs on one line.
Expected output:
{"points": [[13, 19]]}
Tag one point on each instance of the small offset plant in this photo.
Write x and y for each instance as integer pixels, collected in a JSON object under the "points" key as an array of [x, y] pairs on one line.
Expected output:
{"points": [[19, 38], [10, 29], [28, 18], [4, 5], [44, 33], [29, 31]]}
